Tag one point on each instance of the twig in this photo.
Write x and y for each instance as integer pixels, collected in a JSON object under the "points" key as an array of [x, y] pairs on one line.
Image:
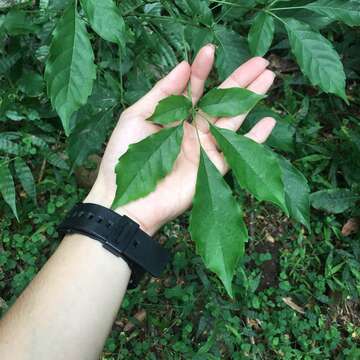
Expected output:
{"points": [[42, 171]]}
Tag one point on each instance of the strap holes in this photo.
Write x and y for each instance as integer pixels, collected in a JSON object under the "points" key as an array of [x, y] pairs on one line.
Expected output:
{"points": [[109, 224], [99, 219], [80, 214], [135, 244], [90, 216]]}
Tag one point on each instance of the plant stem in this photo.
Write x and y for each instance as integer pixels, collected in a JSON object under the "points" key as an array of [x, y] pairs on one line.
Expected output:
{"points": [[131, 10], [275, 16], [288, 8], [273, 3], [121, 79], [230, 3]]}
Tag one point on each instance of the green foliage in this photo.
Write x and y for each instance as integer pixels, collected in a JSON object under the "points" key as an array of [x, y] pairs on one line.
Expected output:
{"points": [[173, 108], [345, 11], [297, 192], [229, 102], [70, 69], [145, 163], [88, 135], [261, 34], [221, 247], [334, 200], [317, 58], [7, 187], [26, 178], [255, 167], [106, 20], [282, 136], [188, 314], [232, 51]]}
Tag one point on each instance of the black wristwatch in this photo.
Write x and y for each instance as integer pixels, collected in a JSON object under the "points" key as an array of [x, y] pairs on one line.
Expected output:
{"points": [[121, 236]]}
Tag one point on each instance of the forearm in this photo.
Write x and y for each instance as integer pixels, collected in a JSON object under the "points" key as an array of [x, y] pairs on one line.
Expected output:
{"points": [[68, 309]]}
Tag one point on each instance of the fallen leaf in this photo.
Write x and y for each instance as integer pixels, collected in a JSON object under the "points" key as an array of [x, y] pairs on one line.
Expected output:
{"points": [[289, 301], [139, 316], [351, 227]]}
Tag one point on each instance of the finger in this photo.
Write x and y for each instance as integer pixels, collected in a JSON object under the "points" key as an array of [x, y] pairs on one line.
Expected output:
{"points": [[260, 86], [200, 70], [241, 77], [246, 73], [172, 84], [262, 130], [217, 157]]}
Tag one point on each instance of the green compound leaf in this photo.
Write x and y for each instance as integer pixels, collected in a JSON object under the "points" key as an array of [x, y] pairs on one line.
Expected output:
{"points": [[7, 187], [297, 192], [173, 108], [255, 167], [345, 11], [317, 58], [229, 102], [216, 223], [334, 201], [145, 163], [261, 34], [106, 20], [70, 69], [26, 178]]}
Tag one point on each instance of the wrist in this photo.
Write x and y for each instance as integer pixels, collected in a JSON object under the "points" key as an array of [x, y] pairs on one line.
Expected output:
{"points": [[98, 195]]}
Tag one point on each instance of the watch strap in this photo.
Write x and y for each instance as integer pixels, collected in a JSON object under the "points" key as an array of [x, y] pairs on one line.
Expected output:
{"points": [[120, 235]]}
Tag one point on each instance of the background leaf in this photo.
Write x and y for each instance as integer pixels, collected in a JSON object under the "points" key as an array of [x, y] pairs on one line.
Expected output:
{"points": [[255, 167], [229, 102], [70, 69], [145, 163], [297, 192], [333, 201], [232, 51], [7, 187], [282, 136], [88, 136], [26, 178], [17, 23], [261, 34], [346, 11], [56, 160], [8, 147], [197, 37], [172, 108], [106, 20], [317, 58], [216, 223]]}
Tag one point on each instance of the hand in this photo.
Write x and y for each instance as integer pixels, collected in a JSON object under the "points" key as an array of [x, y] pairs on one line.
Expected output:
{"points": [[174, 193]]}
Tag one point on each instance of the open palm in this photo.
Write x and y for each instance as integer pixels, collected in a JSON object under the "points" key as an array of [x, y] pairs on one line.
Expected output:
{"points": [[173, 195]]}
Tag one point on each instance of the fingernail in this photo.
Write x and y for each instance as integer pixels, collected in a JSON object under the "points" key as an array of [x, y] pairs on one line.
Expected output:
{"points": [[261, 59], [271, 121], [211, 46]]}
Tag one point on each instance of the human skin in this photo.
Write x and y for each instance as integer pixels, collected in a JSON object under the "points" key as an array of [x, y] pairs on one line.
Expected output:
{"points": [[68, 309]]}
